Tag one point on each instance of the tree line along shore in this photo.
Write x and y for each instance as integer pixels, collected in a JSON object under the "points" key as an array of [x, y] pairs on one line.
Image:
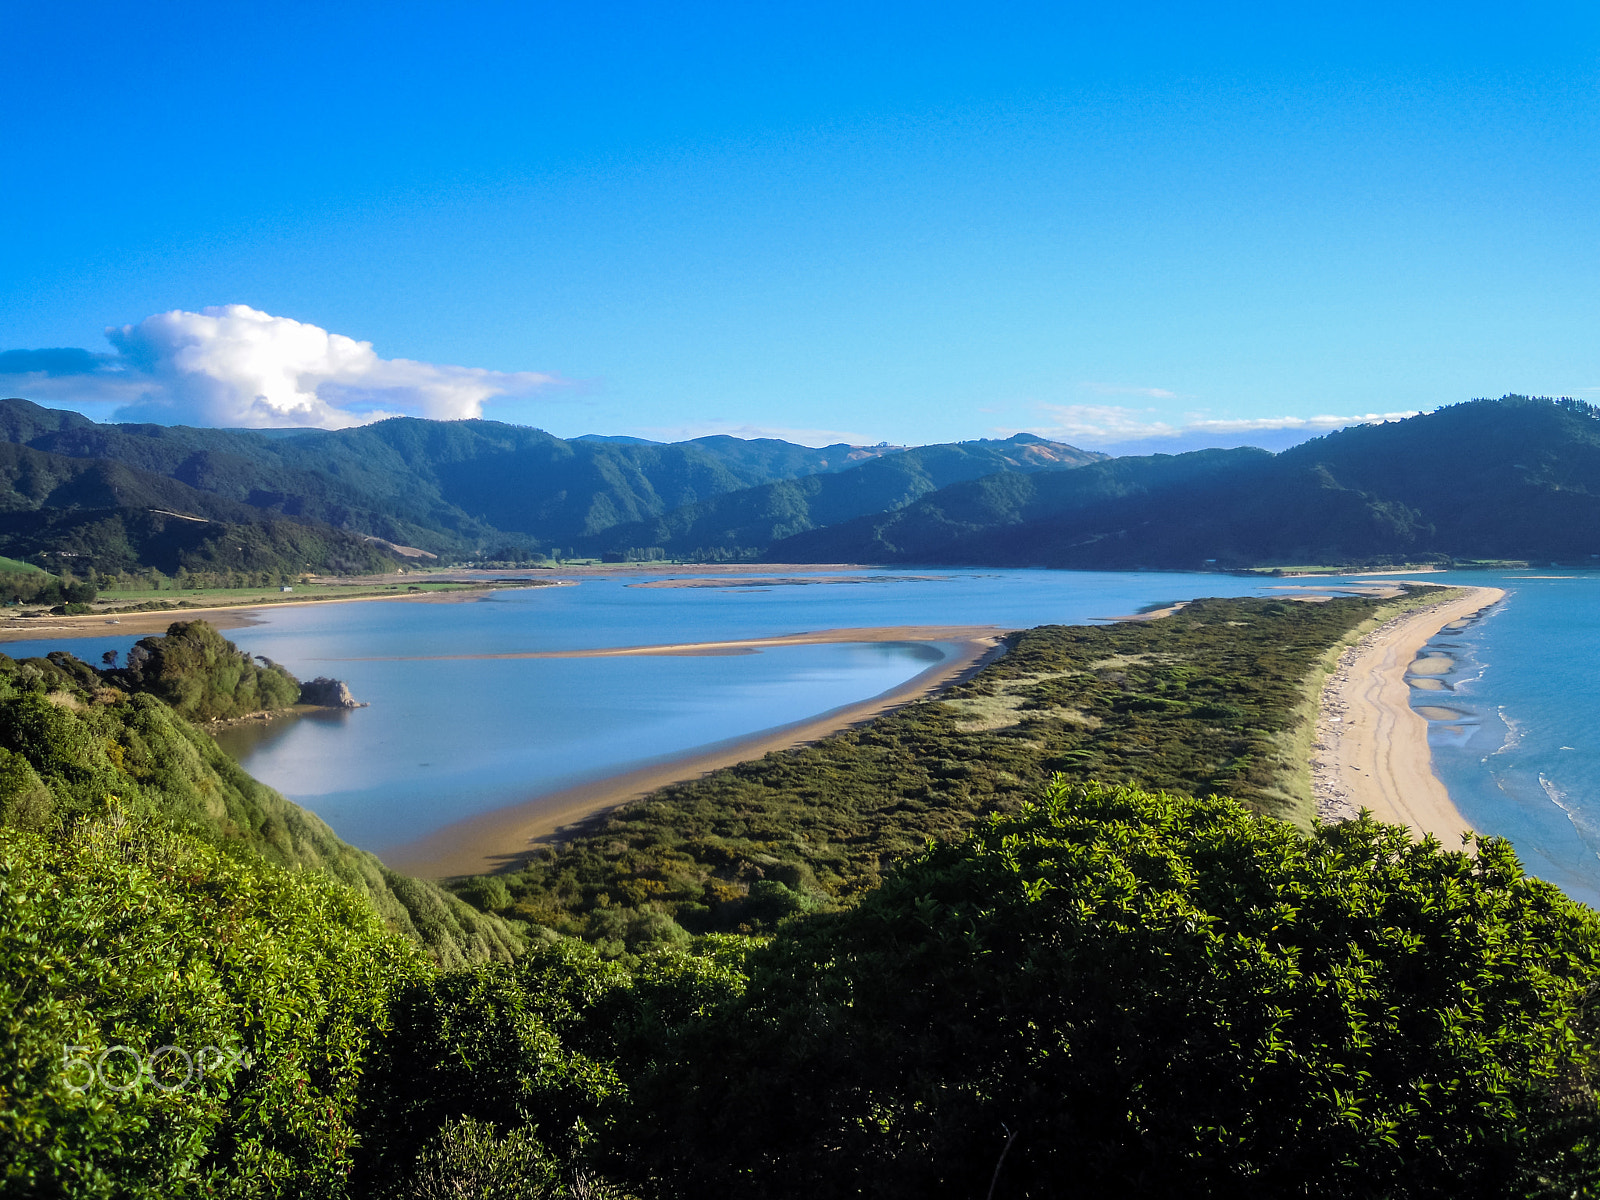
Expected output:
{"points": [[1071, 918]]}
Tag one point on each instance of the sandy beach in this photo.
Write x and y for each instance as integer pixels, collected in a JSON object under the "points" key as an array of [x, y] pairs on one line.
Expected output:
{"points": [[492, 841], [1371, 748]]}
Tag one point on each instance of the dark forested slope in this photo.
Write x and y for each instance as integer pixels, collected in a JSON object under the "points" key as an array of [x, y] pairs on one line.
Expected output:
{"points": [[95, 512], [445, 486], [1509, 478], [754, 518]]}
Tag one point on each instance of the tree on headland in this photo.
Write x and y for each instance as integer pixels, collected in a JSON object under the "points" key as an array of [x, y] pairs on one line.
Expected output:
{"points": [[205, 677]]}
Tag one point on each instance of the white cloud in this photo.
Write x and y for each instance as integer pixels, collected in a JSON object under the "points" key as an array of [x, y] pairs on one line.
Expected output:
{"points": [[1098, 423], [1105, 424], [237, 366], [1319, 424]]}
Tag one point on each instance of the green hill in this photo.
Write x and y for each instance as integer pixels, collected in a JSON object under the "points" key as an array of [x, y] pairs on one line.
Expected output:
{"points": [[751, 520], [77, 742], [450, 487], [1512, 478], [79, 513]]}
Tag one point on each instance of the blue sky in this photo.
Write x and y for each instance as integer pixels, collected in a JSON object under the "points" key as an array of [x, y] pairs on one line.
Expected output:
{"points": [[1140, 225]]}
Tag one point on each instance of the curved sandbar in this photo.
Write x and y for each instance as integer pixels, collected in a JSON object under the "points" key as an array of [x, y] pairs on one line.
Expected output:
{"points": [[815, 637], [1371, 746], [496, 840]]}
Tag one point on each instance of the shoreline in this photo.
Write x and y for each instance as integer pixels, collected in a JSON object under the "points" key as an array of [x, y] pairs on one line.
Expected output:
{"points": [[221, 616], [1370, 748], [476, 583], [499, 840]]}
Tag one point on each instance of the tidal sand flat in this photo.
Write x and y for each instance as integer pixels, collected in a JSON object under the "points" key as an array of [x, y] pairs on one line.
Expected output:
{"points": [[1435, 712], [1372, 746], [1433, 664], [820, 637]]}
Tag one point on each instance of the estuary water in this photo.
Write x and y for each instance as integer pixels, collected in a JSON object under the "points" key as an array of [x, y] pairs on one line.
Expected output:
{"points": [[448, 735]]}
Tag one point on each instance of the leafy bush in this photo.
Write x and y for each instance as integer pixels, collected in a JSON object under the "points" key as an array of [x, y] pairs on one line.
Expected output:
{"points": [[1152, 996], [468, 1158], [114, 934], [203, 676]]}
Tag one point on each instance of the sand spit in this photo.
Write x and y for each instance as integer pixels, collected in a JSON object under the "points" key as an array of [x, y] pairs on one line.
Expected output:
{"points": [[501, 839], [872, 633], [1371, 747]]}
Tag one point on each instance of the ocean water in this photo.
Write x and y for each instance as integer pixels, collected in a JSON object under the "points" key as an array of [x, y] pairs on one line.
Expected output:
{"points": [[449, 737], [1512, 726]]}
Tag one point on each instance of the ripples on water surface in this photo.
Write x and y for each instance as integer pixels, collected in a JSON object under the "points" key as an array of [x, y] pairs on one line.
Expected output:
{"points": [[1522, 760]]}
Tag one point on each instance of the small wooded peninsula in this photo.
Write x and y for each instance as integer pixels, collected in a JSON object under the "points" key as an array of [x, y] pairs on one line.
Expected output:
{"points": [[1070, 920]]}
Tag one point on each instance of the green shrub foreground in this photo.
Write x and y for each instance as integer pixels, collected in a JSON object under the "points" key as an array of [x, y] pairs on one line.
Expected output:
{"points": [[1131, 993], [269, 986], [1141, 995]]}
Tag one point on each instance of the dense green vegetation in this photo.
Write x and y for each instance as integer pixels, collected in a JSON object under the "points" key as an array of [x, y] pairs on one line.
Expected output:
{"points": [[1114, 993], [94, 514], [40, 587], [121, 496], [1210, 701], [203, 676], [1151, 995], [750, 520], [1513, 478], [271, 985]]}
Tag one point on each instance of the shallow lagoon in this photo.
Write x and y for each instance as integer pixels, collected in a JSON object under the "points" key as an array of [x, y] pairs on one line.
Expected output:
{"points": [[448, 738]]}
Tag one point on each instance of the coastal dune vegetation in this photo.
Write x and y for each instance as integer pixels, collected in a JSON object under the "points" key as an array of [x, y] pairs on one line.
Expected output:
{"points": [[1213, 700], [1071, 921]]}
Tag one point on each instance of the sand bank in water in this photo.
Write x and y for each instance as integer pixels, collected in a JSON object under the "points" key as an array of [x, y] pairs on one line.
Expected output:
{"points": [[872, 633], [496, 840], [1371, 747]]}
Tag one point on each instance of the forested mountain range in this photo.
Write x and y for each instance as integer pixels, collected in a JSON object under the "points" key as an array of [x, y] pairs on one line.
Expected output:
{"points": [[752, 519], [456, 489], [1512, 478]]}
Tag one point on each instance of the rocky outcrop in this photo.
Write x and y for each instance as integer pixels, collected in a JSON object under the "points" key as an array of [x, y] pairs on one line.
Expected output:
{"points": [[328, 693]]}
